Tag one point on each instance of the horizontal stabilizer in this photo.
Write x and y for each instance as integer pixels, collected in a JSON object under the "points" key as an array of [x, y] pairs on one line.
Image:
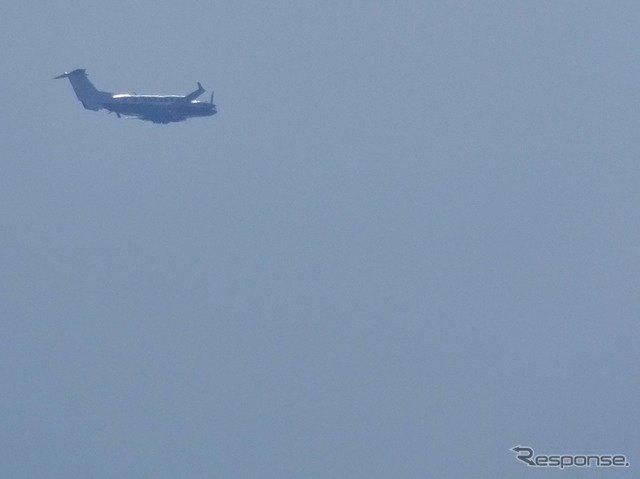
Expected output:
{"points": [[79, 71]]}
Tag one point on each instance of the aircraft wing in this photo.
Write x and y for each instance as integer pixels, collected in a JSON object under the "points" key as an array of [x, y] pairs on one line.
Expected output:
{"points": [[191, 96]]}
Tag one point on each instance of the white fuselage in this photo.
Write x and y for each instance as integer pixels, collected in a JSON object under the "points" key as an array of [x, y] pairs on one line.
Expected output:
{"points": [[158, 108]]}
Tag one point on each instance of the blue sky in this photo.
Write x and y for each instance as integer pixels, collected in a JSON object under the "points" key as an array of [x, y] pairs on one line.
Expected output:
{"points": [[406, 243]]}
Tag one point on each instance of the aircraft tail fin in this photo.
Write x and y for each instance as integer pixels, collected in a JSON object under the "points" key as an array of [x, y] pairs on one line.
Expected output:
{"points": [[88, 94]]}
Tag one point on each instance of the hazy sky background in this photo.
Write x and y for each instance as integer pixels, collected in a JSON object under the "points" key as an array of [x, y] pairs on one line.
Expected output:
{"points": [[407, 243]]}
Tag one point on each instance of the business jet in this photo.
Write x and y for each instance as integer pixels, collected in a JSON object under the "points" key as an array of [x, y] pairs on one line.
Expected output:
{"points": [[156, 108]]}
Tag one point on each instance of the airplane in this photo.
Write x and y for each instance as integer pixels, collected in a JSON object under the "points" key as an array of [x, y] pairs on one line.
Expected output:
{"points": [[156, 108]]}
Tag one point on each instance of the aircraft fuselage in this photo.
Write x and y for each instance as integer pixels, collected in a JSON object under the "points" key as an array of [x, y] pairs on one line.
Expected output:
{"points": [[157, 108]]}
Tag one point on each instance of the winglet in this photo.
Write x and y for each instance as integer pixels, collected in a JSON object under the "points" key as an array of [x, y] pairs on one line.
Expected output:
{"points": [[193, 95]]}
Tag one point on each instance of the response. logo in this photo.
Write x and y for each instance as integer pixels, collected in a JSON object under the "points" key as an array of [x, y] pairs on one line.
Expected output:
{"points": [[525, 454]]}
